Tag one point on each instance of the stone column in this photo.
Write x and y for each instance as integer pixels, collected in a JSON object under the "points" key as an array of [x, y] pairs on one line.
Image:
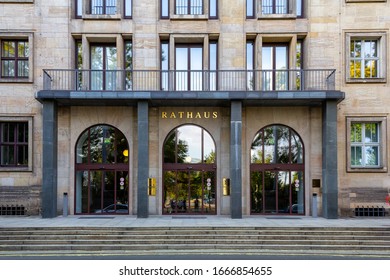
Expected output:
{"points": [[143, 160], [235, 159], [329, 160], [49, 160]]}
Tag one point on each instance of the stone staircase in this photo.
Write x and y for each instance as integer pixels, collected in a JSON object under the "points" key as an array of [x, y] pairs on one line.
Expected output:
{"points": [[68, 241]]}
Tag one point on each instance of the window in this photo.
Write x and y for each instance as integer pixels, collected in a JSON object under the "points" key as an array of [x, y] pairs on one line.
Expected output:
{"points": [[102, 8], [366, 57], [14, 59], [189, 9], [15, 143], [280, 8], [107, 68], [275, 66], [366, 146]]}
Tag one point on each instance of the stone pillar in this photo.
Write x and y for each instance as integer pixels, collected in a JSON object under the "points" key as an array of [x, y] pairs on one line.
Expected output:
{"points": [[235, 159], [49, 160], [143, 160], [329, 160]]}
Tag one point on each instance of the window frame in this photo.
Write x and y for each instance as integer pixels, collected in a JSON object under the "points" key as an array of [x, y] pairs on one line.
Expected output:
{"points": [[382, 144], [168, 10], [26, 37], [381, 38], [364, 1], [256, 10], [86, 10], [28, 166]]}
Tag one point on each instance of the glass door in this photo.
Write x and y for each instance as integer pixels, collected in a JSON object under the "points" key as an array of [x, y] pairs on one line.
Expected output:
{"points": [[189, 65], [189, 192], [275, 65], [103, 66]]}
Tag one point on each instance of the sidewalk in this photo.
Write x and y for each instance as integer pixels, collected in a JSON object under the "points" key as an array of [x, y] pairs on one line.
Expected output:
{"points": [[192, 221]]}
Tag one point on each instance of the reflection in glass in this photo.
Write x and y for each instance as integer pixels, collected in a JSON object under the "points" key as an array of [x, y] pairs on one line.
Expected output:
{"points": [[103, 62], [189, 65]]}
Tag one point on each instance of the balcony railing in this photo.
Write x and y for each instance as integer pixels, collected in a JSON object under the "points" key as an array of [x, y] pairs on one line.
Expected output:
{"points": [[203, 80]]}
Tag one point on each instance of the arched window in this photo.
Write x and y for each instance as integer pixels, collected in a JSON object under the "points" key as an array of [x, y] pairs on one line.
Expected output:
{"points": [[277, 171], [102, 171], [189, 171]]}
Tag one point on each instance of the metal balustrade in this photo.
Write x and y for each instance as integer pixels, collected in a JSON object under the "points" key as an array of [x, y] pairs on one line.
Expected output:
{"points": [[202, 80]]}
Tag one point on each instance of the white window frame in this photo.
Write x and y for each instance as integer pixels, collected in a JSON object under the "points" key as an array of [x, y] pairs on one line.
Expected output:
{"points": [[381, 144], [29, 120], [30, 39], [381, 38]]}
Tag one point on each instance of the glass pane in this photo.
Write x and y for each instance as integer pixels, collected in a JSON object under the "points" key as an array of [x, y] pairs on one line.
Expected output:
{"points": [[356, 132], [22, 133], [209, 190], [111, 64], [164, 66], [267, 6], [257, 192], [96, 183], [250, 8], [196, 65], [109, 205], [299, 8], [270, 192], [82, 148], [7, 155], [181, 203], [110, 7], [169, 192], [128, 8], [282, 139], [371, 69], [296, 149], [213, 8], [284, 192], [356, 156], [164, 8], [371, 133], [96, 144], [82, 192], [181, 7], [79, 8], [8, 49], [196, 7], [96, 64], [355, 69], [170, 149], [213, 65], [297, 193], [181, 69], [257, 149], [190, 136], [208, 147], [196, 203], [249, 65], [372, 156], [8, 68], [22, 68], [270, 149], [97, 7], [122, 191], [23, 50]]}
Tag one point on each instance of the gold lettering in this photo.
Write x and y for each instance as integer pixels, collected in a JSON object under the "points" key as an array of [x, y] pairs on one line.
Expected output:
{"points": [[189, 115], [215, 115], [181, 115], [164, 115], [172, 116], [206, 115], [198, 116]]}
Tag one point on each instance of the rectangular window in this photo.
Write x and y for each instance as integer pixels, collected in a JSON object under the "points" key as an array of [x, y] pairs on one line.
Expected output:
{"points": [[164, 9], [274, 7], [103, 7], [366, 144], [128, 65], [366, 53], [128, 9], [14, 59], [14, 138], [250, 8], [79, 8], [189, 7], [164, 65], [250, 65], [213, 65], [364, 59], [213, 8]]}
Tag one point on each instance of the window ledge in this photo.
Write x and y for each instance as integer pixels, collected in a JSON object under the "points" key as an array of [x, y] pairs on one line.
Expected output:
{"points": [[277, 16], [15, 169], [189, 17], [102, 17], [367, 169], [364, 1], [16, 80], [17, 1], [368, 81]]}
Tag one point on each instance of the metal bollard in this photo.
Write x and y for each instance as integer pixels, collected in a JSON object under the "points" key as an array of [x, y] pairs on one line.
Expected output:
{"points": [[314, 206], [65, 205]]}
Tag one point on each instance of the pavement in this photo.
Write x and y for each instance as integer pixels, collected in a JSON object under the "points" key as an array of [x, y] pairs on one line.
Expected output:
{"points": [[191, 221]]}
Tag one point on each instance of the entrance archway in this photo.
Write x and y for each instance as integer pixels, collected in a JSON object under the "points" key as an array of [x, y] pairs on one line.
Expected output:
{"points": [[189, 169], [277, 172], [102, 172]]}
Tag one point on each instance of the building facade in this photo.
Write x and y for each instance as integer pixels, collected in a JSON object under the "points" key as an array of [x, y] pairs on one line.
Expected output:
{"points": [[194, 107]]}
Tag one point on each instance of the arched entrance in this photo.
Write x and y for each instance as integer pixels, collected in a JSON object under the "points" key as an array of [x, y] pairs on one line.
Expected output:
{"points": [[189, 172], [102, 172], [277, 172]]}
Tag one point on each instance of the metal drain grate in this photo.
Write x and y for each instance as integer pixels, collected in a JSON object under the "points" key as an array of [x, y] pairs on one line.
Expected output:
{"points": [[12, 210]]}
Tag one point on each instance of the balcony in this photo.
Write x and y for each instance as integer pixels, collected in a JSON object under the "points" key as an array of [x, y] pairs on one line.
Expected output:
{"points": [[173, 87]]}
